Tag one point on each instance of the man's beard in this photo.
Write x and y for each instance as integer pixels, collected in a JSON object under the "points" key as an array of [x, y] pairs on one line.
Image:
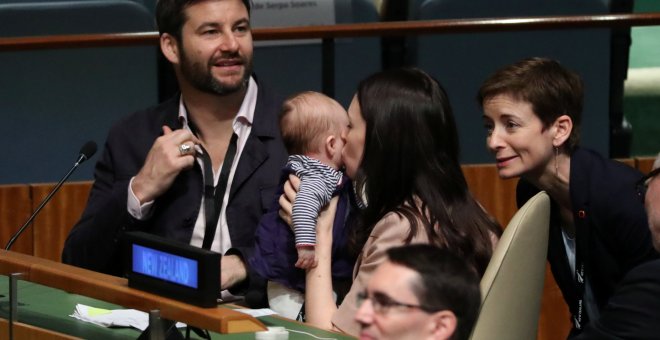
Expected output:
{"points": [[202, 78]]}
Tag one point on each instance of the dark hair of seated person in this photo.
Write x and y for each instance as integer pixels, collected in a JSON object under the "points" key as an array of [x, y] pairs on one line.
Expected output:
{"points": [[446, 282], [410, 164]]}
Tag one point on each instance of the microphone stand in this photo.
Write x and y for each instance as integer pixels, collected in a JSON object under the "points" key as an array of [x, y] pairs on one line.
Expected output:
{"points": [[81, 159]]}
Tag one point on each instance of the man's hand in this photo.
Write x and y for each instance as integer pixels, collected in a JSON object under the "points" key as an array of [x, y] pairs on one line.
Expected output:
{"points": [[232, 271], [164, 162]]}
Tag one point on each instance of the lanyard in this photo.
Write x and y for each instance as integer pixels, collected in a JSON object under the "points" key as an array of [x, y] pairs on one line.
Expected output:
{"points": [[214, 193], [581, 235]]}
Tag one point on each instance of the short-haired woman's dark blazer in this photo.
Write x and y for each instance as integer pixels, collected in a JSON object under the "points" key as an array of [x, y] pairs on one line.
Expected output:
{"points": [[606, 203]]}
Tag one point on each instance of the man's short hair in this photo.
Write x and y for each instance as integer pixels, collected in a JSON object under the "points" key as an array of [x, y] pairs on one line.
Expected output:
{"points": [[446, 282], [170, 15]]}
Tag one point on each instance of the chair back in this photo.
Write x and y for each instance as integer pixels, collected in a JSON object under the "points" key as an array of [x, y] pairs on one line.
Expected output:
{"points": [[512, 286]]}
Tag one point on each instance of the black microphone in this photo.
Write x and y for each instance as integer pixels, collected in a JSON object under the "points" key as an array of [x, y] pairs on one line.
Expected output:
{"points": [[86, 152]]}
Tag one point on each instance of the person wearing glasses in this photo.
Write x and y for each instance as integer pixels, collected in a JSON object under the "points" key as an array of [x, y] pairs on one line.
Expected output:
{"points": [[633, 312], [419, 292], [598, 228]]}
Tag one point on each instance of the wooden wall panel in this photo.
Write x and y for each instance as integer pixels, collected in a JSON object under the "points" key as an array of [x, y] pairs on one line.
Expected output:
{"points": [[628, 161], [57, 218], [15, 209], [497, 196], [644, 164], [555, 319]]}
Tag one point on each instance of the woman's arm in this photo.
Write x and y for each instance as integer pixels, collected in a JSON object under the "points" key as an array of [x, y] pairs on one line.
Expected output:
{"points": [[319, 301]]}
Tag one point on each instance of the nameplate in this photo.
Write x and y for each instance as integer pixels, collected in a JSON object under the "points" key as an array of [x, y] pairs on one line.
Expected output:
{"points": [[291, 13], [172, 269]]}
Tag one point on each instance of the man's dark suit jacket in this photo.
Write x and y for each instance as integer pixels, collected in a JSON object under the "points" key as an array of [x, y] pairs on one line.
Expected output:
{"points": [[604, 202], [94, 242], [633, 312]]}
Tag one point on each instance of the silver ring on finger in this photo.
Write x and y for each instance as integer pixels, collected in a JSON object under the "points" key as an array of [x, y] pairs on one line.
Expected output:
{"points": [[184, 149]]}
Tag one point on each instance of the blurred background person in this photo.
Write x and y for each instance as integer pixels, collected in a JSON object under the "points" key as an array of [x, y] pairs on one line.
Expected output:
{"points": [[419, 292]]}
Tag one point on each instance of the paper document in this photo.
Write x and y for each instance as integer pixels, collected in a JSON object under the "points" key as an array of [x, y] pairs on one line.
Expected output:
{"points": [[114, 318], [257, 312]]}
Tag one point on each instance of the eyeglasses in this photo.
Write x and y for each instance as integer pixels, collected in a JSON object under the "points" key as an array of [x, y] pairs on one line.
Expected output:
{"points": [[643, 183], [382, 303]]}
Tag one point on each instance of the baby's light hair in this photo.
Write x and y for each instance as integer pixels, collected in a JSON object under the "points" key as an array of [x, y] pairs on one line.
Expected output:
{"points": [[306, 119]]}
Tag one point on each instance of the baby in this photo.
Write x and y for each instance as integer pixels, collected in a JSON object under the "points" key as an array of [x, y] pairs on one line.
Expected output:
{"points": [[311, 125]]}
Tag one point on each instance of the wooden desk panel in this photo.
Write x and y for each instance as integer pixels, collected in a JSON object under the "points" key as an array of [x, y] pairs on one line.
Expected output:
{"points": [[28, 332], [115, 290], [49, 308]]}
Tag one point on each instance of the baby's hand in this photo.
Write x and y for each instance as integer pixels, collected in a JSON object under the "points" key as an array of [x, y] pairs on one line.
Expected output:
{"points": [[306, 257]]}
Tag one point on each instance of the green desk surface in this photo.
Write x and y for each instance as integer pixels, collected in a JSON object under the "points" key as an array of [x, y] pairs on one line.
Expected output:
{"points": [[49, 308]]}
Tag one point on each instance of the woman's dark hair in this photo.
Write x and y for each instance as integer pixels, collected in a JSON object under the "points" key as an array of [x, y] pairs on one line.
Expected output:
{"points": [[170, 15], [410, 166], [446, 282], [552, 90]]}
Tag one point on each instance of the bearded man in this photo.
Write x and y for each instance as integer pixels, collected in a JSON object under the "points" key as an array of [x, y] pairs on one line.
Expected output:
{"points": [[200, 168]]}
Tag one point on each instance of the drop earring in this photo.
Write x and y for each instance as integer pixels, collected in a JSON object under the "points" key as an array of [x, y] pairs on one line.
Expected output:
{"points": [[556, 163]]}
